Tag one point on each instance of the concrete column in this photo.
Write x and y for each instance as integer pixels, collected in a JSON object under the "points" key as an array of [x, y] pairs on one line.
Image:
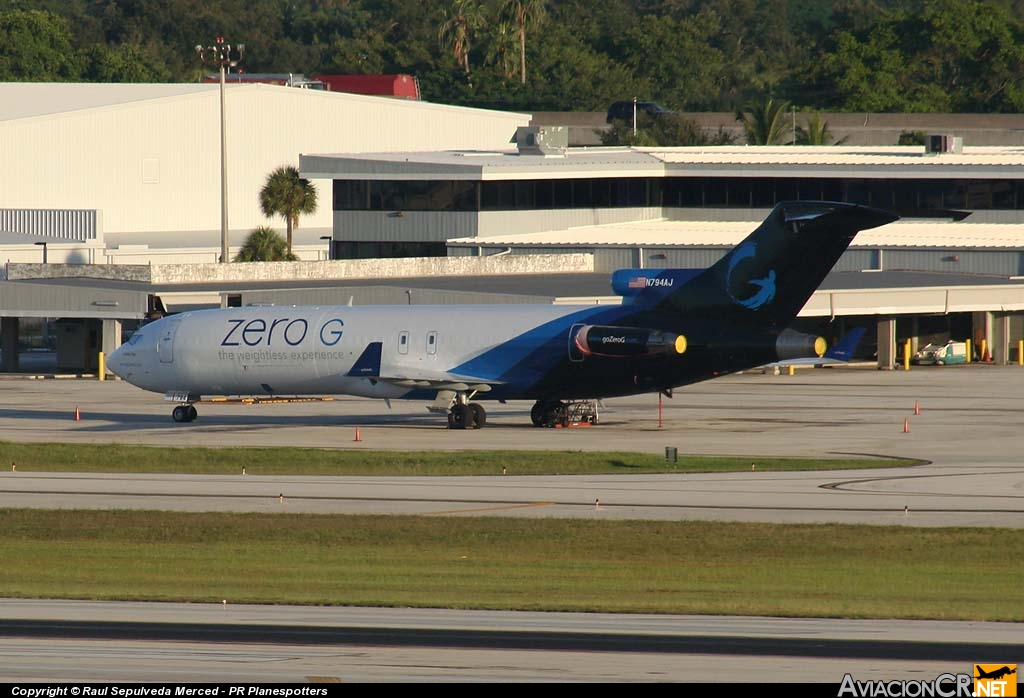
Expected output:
{"points": [[9, 343], [1001, 339], [982, 322], [887, 343], [111, 336]]}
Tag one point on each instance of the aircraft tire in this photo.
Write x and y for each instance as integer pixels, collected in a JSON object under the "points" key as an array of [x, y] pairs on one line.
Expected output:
{"points": [[192, 413], [461, 417], [537, 414], [479, 414], [180, 414]]}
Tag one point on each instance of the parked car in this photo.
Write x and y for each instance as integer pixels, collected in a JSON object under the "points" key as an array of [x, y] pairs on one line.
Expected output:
{"points": [[938, 354], [624, 110]]}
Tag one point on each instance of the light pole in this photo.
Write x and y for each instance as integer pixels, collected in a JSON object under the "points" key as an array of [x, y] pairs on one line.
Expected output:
{"points": [[221, 54]]}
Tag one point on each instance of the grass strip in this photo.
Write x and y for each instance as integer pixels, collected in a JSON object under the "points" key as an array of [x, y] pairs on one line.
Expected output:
{"points": [[529, 564], [123, 458]]}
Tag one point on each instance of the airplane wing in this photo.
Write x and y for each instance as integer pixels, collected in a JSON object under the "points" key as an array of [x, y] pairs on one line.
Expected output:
{"points": [[437, 380], [368, 365]]}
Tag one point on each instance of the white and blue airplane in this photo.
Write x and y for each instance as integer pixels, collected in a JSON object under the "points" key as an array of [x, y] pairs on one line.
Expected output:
{"points": [[839, 353], [674, 327]]}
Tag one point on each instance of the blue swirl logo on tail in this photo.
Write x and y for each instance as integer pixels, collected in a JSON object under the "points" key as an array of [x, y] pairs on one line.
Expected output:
{"points": [[735, 279]]}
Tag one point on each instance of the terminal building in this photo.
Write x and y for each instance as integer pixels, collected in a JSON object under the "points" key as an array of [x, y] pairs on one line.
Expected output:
{"points": [[117, 188], [962, 226]]}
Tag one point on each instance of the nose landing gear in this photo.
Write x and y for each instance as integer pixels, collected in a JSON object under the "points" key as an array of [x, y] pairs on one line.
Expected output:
{"points": [[184, 413]]}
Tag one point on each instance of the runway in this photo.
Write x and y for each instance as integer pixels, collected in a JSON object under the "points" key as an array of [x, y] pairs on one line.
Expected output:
{"points": [[925, 496], [172, 642], [967, 425]]}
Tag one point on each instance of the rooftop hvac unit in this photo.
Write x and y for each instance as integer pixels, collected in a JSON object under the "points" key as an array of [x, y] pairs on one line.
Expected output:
{"points": [[943, 143], [542, 140]]}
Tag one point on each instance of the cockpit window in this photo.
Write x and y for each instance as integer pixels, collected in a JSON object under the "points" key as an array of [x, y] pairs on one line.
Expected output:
{"points": [[135, 338]]}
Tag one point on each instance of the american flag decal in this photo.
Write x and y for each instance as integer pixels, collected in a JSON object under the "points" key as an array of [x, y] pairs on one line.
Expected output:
{"points": [[638, 282]]}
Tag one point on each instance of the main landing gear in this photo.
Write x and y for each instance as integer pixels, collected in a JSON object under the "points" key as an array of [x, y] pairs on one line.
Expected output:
{"points": [[184, 413], [555, 413], [467, 415]]}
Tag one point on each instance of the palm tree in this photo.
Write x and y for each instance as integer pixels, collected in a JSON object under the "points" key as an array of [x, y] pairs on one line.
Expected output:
{"points": [[287, 195], [501, 53], [461, 20], [524, 12], [264, 244], [816, 132], [764, 122]]}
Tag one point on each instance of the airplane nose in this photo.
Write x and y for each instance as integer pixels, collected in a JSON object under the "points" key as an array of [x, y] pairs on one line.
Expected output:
{"points": [[115, 362]]}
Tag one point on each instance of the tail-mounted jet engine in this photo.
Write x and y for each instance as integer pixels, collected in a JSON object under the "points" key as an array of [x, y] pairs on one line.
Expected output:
{"points": [[627, 342], [797, 345]]}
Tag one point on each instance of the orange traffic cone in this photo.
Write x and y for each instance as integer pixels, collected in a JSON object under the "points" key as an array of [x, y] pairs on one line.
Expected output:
{"points": [[78, 415], [358, 435], [906, 426], [917, 407]]}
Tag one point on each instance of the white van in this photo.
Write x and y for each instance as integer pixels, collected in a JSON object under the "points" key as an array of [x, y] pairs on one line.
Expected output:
{"points": [[938, 354]]}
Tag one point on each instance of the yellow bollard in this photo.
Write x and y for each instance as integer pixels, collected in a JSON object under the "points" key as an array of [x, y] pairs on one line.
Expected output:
{"points": [[102, 367], [906, 355], [792, 370], [984, 349], [968, 343], [1020, 352]]}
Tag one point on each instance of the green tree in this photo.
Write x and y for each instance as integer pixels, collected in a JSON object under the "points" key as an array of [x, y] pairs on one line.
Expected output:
{"points": [[911, 138], [524, 13], [124, 63], [264, 244], [36, 46], [287, 195], [928, 56], [461, 19], [677, 59], [764, 122]]}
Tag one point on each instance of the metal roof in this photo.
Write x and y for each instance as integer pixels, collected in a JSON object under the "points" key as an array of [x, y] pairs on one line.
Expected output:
{"points": [[22, 100], [606, 161], [865, 156], [674, 233], [482, 165]]}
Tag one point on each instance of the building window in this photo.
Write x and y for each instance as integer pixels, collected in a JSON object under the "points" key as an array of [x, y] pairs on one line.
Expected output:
{"points": [[388, 250], [717, 192]]}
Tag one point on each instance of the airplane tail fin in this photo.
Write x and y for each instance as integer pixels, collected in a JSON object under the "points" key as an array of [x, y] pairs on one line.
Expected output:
{"points": [[844, 348], [768, 277]]}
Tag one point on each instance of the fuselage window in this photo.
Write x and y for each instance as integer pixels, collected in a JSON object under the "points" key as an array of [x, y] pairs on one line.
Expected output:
{"points": [[432, 342], [403, 342]]}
